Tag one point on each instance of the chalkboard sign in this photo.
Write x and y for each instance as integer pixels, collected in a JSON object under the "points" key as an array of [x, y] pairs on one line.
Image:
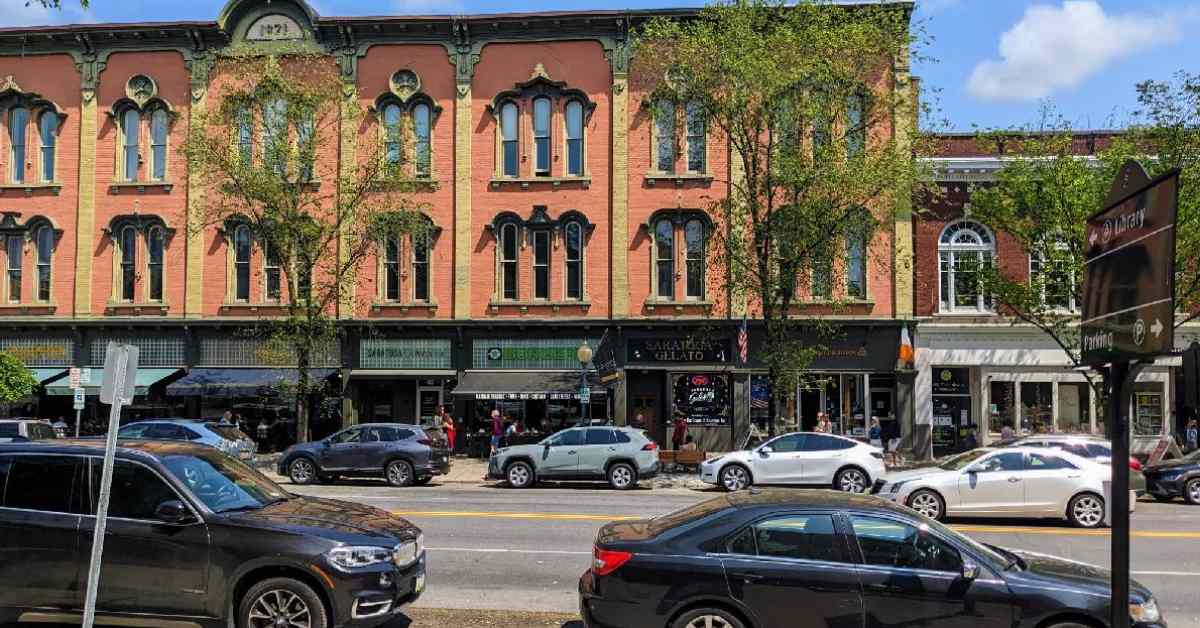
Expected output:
{"points": [[703, 398]]}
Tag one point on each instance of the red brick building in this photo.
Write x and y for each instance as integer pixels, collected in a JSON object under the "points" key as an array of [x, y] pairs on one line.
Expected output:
{"points": [[557, 219]]}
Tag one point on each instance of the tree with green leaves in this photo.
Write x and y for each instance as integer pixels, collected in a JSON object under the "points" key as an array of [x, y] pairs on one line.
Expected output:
{"points": [[16, 381], [1045, 192], [53, 4], [269, 156], [814, 104]]}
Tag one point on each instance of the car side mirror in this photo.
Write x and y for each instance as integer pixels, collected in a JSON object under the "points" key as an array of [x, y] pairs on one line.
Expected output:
{"points": [[765, 451], [173, 511], [970, 570]]}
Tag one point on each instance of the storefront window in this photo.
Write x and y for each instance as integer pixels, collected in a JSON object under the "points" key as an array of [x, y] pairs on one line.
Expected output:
{"points": [[1037, 407], [1148, 414], [1001, 411], [1073, 414]]}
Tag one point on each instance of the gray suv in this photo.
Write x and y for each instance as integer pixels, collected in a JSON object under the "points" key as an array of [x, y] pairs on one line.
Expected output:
{"points": [[224, 437], [619, 455], [400, 453]]}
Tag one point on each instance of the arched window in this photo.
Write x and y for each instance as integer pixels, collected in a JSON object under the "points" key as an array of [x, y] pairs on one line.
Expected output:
{"points": [[391, 136], [128, 264], [573, 236], [694, 240], [964, 249], [272, 272], [574, 127], [541, 263], [391, 268], [245, 123], [48, 139], [275, 134], [508, 261], [420, 266], [158, 145], [664, 247], [541, 136], [154, 262], [664, 129], [422, 122], [45, 251], [18, 123], [508, 139], [14, 249], [131, 122], [856, 261], [241, 263], [697, 135]]}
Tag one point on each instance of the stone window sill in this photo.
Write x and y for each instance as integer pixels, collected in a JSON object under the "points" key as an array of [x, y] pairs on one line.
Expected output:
{"points": [[141, 187], [525, 306], [28, 308], [653, 304], [30, 188], [836, 302], [380, 306], [421, 184], [653, 178], [526, 182], [137, 308], [253, 307]]}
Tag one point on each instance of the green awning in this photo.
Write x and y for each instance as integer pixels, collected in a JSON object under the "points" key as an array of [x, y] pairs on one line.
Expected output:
{"points": [[145, 379], [45, 375]]}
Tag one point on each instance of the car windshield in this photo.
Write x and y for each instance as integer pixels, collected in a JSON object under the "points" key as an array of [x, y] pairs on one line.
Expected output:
{"points": [[224, 484], [955, 463], [8, 430], [228, 432]]}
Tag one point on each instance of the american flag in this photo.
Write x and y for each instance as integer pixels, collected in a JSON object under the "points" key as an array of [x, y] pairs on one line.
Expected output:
{"points": [[743, 341]]}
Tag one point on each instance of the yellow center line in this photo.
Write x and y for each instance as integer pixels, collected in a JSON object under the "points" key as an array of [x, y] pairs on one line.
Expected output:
{"points": [[978, 529]]}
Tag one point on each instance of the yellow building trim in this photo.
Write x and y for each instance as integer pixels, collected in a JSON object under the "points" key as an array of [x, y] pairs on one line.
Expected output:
{"points": [[904, 124], [347, 164], [85, 220], [462, 202], [193, 302], [620, 197]]}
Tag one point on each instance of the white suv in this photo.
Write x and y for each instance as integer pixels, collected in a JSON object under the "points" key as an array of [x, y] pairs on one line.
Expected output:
{"points": [[15, 430], [803, 458]]}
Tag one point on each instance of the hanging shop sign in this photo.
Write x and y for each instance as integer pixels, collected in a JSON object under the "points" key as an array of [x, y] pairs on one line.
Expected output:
{"points": [[523, 353], [703, 398], [947, 381], [678, 350]]}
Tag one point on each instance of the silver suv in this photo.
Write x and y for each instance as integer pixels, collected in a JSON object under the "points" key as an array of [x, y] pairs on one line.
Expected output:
{"points": [[619, 455], [225, 437]]}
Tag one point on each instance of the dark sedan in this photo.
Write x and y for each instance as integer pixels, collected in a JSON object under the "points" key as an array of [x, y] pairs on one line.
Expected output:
{"points": [[776, 558], [1175, 478]]}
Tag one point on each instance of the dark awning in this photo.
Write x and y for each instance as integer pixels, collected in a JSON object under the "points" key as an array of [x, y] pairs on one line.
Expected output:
{"points": [[238, 382], [144, 379], [523, 385]]}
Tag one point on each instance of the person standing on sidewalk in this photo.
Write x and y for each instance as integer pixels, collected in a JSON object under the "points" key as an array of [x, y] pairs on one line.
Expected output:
{"points": [[448, 427], [679, 433], [497, 430], [1193, 436]]}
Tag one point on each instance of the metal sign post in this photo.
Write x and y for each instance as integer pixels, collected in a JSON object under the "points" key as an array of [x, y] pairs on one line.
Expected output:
{"points": [[1128, 318], [120, 376]]}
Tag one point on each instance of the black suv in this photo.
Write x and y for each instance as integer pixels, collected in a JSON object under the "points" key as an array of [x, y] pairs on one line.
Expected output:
{"points": [[400, 453], [193, 537]]}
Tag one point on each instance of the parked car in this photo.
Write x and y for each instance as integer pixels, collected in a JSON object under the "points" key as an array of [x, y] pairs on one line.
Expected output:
{"points": [[1026, 482], [22, 430], [799, 458], [1085, 446], [1175, 478], [194, 536], [224, 437], [621, 456], [778, 558], [400, 453]]}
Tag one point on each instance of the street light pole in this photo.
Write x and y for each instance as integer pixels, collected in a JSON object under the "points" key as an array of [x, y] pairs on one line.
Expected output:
{"points": [[584, 353]]}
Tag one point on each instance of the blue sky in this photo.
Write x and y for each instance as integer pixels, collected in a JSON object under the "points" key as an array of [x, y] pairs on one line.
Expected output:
{"points": [[997, 63]]}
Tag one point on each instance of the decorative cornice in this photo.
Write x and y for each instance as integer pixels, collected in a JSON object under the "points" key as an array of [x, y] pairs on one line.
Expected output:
{"points": [[975, 169], [142, 223], [540, 84]]}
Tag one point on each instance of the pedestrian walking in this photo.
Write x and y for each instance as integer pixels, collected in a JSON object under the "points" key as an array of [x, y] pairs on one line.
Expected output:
{"points": [[1193, 436], [875, 434], [448, 427], [679, 433], [497, 430], [823, 424], [1006, 432], [972, 439]]}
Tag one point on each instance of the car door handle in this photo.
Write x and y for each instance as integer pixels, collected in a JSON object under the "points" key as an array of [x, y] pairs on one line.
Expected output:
{"points": [[750, 578], [1014, 480], [571, 452]]}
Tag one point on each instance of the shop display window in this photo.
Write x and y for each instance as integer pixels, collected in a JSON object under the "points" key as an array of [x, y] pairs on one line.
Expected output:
{"points": [[1037, 407], [1002, 400]]}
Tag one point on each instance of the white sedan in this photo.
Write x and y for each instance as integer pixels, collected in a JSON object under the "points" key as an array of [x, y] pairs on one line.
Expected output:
{"points": [[1031, 482], [799, 458]]}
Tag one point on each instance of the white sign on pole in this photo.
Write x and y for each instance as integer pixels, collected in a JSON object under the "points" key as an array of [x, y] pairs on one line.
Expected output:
{"points": [[85, 376], [120, 373], [79, 399], [74, 376]]}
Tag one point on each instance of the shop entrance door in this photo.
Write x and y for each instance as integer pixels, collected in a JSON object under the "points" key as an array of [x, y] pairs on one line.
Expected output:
{"points": [[428, 400], [810, 405]]}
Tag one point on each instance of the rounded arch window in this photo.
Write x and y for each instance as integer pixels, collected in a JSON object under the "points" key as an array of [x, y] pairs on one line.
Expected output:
{"points": [[965, 251]]}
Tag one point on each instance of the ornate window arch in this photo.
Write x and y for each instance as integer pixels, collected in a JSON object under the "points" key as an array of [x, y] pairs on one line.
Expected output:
{"points": [[406, 118], [139, 243], [547, 102], [42, 237], [26, 117], [143, 119], [679, 251], [404, 273], [964, 247], [576, 229], [507, 228]]}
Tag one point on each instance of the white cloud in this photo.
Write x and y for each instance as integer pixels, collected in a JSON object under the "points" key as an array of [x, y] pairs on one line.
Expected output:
{"points": [[1053, 48]]}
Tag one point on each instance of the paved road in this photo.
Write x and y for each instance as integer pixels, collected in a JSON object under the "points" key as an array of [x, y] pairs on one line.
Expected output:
{"points": [[496, 548]]}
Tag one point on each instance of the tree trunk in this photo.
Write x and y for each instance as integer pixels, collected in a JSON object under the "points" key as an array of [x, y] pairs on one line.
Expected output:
{"points": [[303, 357]]}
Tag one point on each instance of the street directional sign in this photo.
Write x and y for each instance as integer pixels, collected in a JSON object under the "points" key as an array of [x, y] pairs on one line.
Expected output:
{"points": [[1129, 278], [74, 376], [120, 374]]}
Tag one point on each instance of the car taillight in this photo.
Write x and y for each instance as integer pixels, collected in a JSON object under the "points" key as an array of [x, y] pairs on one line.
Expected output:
{"points": [[1134, 464], [424, 441], [651, 446], [605, 562]]}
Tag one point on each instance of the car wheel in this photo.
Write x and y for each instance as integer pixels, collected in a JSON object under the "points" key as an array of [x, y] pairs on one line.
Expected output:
{"points": [[1191, 492], [1086, 511], [851, 480], [302, 471], [928, 503], [281, 603], [622, 476], [399, 473], [519, 475], [708, 618], [735, 477]]}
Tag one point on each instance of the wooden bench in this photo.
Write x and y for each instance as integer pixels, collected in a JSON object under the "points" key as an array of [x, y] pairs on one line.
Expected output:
{"points": [[680, 459]]}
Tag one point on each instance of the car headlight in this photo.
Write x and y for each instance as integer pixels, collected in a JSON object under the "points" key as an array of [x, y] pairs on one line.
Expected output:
{"points": [[1146, 612], [356, 556], [408, 552]]}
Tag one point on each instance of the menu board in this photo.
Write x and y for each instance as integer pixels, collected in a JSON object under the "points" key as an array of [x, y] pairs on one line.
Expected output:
{"points": [[703, 398]]}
